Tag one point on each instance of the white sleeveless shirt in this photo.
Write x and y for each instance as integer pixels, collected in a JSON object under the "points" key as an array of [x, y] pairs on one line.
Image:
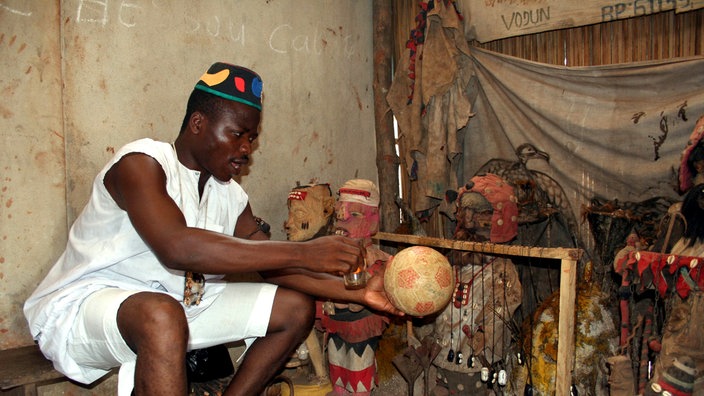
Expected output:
{"points": [[104, 250]]}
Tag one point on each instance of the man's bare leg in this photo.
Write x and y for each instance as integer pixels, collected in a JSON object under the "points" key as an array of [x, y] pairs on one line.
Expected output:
{"points": [[155, 327], [291, 320]]}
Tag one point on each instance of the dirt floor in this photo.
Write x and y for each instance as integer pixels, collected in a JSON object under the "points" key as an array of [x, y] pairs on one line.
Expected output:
{"points": [[389, 385], [395, 385]]}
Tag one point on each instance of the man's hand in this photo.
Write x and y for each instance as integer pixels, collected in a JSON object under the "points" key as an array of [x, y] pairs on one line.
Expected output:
{"points": [[333, 254], [375, 296]]}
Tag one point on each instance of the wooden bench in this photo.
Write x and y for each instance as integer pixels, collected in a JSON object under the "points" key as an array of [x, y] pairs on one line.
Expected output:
{"points": [[21, 369]]}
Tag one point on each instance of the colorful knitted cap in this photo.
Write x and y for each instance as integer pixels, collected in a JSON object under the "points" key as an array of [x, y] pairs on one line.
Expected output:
{"points": [[232, 83]]}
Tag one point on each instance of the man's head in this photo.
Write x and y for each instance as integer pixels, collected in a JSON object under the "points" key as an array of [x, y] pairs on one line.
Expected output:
{"points": [[222, 121], [310, 210], [357, 209]]}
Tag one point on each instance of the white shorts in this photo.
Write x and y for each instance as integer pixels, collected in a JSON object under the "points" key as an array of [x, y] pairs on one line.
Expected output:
{"points": [[241, 312]]}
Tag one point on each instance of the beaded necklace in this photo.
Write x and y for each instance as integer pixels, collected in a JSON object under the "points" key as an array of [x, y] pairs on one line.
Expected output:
{"points": [[194, 282]]}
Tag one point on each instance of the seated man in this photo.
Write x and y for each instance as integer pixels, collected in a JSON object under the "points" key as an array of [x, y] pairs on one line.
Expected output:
{"points": [[140, 282]]}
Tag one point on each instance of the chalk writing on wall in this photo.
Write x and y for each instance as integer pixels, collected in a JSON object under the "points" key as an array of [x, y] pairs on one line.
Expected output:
{"points": [[282, 39], [216, 27], [15, 10]]}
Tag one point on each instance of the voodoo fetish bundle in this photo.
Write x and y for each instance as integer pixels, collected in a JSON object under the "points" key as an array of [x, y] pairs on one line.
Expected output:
{"points": [[675, 348]]}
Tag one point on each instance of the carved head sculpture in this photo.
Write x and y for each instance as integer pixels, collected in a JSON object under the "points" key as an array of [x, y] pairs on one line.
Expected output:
{"points": [[310, 209], [486, 210], [357, 209]]}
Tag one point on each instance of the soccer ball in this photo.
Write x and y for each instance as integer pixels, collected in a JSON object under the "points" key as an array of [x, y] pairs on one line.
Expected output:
{"points": [[419, 281]]}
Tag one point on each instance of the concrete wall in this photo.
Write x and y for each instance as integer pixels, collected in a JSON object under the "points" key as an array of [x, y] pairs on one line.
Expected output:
{"points": [[80, 78]]}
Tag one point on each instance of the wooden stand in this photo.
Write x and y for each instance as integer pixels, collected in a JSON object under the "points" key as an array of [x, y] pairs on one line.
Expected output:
{"points": [[568, 287]]}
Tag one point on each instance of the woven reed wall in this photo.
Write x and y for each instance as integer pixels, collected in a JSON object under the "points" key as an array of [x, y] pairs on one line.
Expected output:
{"points": [[658, 36]]}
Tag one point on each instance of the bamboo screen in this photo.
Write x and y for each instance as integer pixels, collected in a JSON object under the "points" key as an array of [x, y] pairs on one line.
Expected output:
{"points": [[657, 36]]}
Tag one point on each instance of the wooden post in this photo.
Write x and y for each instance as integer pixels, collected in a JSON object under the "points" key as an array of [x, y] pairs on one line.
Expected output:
{"points": [[565, 327], [317, 358], [386, 159]]}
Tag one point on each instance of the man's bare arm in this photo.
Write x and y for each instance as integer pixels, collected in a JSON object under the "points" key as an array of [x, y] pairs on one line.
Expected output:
{"points": [[137, 183]]}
